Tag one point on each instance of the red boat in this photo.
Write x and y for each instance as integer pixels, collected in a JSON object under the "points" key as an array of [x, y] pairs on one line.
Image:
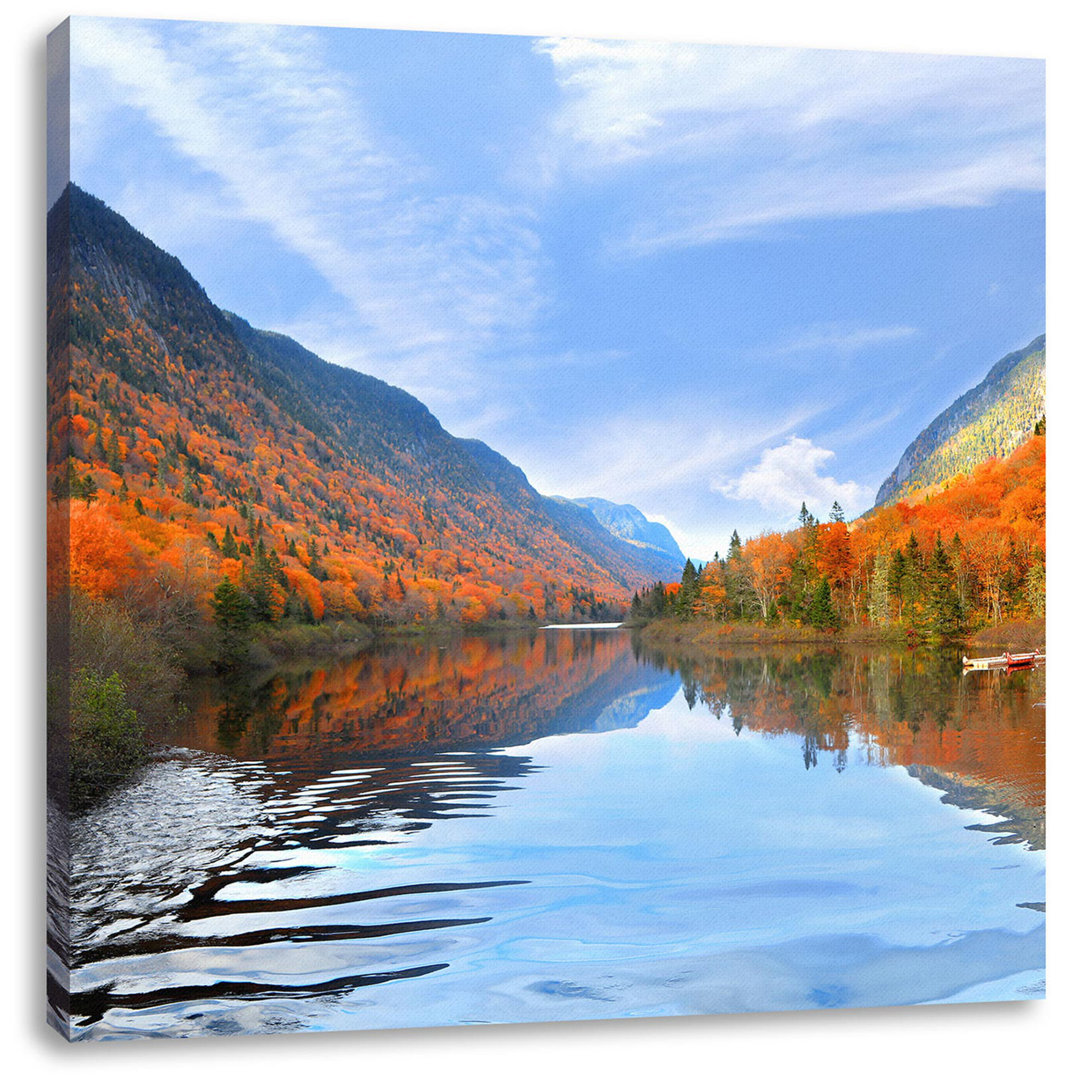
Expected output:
{"points": [[1005, 660]]}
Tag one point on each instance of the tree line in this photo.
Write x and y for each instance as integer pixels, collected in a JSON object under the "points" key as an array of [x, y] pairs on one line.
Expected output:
{"points": [[960, 557]]}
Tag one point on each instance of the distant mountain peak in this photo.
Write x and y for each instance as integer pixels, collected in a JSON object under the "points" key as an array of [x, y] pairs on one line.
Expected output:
{"points": [[988, 421], [628, 523]]}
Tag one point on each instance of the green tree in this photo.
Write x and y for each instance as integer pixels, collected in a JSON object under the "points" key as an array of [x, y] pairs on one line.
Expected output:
{"points": [[260, 580], [944, 617], [821, 613], [87, 490], [689, 588], [229, 548], [740, 595], [232, 615]]}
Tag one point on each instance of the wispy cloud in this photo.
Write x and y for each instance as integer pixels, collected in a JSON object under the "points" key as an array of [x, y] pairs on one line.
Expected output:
{"points": [[635, 455], [790, 474], [747, 138], [840, 339], [426, 274]]}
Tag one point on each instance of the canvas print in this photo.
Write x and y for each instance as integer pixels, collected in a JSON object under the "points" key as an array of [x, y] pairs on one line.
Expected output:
{"points": [[539, 529]]}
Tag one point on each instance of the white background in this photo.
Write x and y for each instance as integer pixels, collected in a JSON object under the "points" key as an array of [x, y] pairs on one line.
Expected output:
{"points": [[977, 1041]]}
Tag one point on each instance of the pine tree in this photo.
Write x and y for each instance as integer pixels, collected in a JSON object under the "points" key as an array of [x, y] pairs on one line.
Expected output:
{"points": [[261, 582], [88, 490], [897, 572], [911, 584], [229, 548], [232, 614], [689, 589], [944, 617], [822, 614]]}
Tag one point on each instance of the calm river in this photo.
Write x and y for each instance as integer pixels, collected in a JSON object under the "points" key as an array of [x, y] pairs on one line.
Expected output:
{"points": [[561, 826]]}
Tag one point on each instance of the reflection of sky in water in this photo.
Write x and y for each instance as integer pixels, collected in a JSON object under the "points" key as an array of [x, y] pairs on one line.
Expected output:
{"points": [[699, 849], [668, 867]]}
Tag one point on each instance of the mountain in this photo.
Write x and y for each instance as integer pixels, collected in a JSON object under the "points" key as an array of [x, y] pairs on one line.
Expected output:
{"points": [[630, 524], [186, 444], [989, 421]]}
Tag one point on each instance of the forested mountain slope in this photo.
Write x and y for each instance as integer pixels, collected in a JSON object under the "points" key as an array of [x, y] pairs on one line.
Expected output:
{"points": [[989, 421], [186, 446]]}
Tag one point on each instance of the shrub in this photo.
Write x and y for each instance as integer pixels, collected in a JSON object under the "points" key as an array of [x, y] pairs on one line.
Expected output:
{"points": [[108, 741], [111, 683]]}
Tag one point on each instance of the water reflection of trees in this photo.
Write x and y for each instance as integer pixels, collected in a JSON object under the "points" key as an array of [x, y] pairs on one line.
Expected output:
{"points": [[979, 737], [422, 696]]}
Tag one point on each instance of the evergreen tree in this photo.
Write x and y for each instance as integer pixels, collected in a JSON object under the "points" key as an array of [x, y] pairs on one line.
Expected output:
{"points": [[911, 585], [232, 614], [261, 581], [837, 512], [739, 591], [895, 581], [229, 548], [822, 614], [112, 453], [298, 609], [944, 617], [689, 588], [88, 490]]}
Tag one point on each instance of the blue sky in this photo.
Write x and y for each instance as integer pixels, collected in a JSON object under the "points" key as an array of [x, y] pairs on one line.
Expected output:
{"points": [[707, 280]]}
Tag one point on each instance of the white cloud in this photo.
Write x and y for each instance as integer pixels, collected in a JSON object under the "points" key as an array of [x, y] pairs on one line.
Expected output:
{"points": [[634, 455], [841, 339], [426, 276], [790, 474], [762, 136]]}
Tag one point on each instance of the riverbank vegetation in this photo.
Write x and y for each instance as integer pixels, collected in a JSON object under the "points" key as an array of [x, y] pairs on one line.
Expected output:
{"points": [[111, 677], [962, 559]]}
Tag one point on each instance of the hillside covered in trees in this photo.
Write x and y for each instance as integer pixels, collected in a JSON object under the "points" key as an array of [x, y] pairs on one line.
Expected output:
{"points": [[989, 421], [187, 449], [969, 556]]}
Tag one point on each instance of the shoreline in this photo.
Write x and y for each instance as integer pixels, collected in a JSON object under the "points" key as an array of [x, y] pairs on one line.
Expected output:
{"points": [[275, 644], [706, 634]]}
